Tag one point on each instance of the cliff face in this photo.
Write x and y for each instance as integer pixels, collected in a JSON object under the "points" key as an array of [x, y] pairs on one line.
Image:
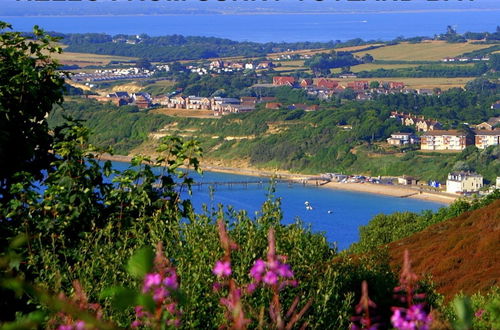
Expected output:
{"points": [[461, 254]]}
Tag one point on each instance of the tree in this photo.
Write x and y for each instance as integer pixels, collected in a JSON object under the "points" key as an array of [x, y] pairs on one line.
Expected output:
{"points": [[374, 84], [29, 87], [494, 62], [143, 64], [367, 58]]}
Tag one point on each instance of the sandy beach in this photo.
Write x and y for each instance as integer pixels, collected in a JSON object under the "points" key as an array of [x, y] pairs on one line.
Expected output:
{"points": [[393, 190], [371, 188]]}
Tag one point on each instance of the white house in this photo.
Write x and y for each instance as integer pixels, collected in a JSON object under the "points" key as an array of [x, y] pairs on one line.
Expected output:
{"points": [[463, 182], [403, 138]]}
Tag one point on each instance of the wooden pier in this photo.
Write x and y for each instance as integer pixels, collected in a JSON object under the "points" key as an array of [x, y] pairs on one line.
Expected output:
{"points": [[259, 183]]}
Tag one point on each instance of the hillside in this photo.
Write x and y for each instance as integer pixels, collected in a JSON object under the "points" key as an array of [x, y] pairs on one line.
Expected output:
{"points": [[461, 254]]}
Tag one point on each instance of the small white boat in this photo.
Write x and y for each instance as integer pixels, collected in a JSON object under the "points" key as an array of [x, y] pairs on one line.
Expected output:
{"points": [[330, 211]]}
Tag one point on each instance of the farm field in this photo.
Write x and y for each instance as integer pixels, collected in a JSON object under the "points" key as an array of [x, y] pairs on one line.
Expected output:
{"points": [[425, 51], [85, 59], [416, 83]]}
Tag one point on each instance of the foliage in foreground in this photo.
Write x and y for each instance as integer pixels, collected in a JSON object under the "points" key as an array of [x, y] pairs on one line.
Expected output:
{"points": [[87, 219]]}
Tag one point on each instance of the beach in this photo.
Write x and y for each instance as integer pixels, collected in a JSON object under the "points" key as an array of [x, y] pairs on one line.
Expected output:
{"points": [[414, 192]]}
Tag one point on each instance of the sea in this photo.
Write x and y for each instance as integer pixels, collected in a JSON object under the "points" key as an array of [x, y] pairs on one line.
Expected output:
{"points": [[335, 213], [278, 27]]}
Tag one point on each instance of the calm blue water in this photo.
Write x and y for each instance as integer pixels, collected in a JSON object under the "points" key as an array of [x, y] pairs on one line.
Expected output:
{"points": [[350, 209], [275, 27]]}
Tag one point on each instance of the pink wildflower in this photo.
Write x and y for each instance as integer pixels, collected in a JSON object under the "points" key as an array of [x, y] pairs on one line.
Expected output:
{"points": [[258, 268], [270, 278], [151, 280], [285, 270], [411, 319], [159, 294], [222, 268], [171, 281]]}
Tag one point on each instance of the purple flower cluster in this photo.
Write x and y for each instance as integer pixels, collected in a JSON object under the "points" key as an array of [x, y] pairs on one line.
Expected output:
{"points": [[272, 272], [160, 286], [412, 318], [222, 268]]}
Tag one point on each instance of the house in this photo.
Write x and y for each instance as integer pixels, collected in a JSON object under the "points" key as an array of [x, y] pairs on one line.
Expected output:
{"points": [[225, 100], [217, 64], [161, 100], [239, 108], [463, 182], [399, 139], [490, 124], [120, 95], [141, 102], [283, 81], [177, 102], [496, 105], [486, 138], [445, 140], [237, 66], [145, 95], [395, 85], [425, 91], [248, 99], [407, 180], [363, 97], [273, 105], [265, 65], [424, 125], [196, 102], [498, 183], [304, 83], [326, 83], [358, 84]]}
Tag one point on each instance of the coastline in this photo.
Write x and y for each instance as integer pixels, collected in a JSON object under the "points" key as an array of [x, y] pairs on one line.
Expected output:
{"points": [[370, 188]]}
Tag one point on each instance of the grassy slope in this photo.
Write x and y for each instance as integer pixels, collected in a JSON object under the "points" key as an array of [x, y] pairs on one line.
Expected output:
{"points": [[461, 254]]}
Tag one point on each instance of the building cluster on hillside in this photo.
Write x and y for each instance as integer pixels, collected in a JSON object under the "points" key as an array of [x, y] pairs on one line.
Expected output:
{"points": [[117, 74], [435, 138], [142, 100], [219, 66], [219, 105], [419, 122], [325, 88]]}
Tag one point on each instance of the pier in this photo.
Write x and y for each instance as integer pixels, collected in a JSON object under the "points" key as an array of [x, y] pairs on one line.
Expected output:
{"points": [[260, 183]]}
